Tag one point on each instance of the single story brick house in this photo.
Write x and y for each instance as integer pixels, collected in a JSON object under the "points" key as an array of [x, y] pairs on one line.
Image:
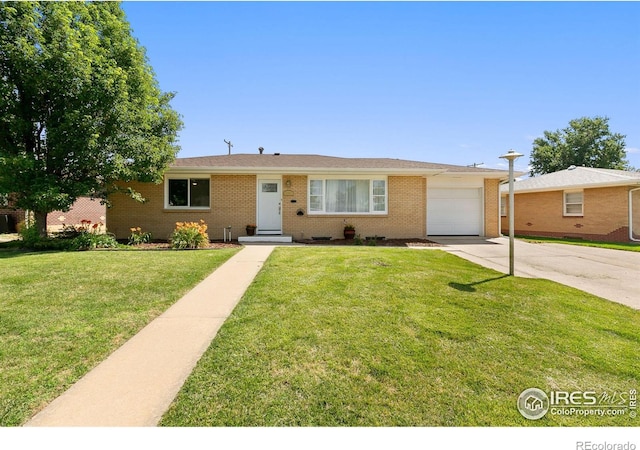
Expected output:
{"points": [[578, 202], [84, 208], [306, 196], [9, 217]]}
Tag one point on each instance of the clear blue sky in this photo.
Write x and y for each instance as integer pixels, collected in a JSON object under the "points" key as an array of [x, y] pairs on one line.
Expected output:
{"points": [[452, 82]]}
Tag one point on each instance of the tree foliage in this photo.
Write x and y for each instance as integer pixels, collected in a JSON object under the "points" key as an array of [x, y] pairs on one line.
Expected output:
{"points": [[585, 142], [80, 107]]}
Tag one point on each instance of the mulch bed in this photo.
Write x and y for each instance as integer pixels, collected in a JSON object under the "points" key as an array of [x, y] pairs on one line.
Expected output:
{"points": [[167, 246], [378, 243]]}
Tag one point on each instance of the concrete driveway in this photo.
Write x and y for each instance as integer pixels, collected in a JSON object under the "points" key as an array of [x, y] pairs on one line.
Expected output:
{"points": [[610, 274]]}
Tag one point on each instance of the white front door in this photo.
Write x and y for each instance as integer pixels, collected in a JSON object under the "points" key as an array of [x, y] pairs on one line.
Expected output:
{"points": [[269, 207]]}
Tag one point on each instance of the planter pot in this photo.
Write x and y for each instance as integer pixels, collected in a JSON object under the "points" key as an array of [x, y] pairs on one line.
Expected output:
{"points": [[251, 231], [349, 234]]}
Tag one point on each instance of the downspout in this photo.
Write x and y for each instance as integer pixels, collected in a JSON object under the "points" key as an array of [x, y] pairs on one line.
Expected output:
{"points": [[631, 215]]}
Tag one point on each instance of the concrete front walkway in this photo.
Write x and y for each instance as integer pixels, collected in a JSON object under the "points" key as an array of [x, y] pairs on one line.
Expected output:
{"points": [[137, 383], [610, 274]]}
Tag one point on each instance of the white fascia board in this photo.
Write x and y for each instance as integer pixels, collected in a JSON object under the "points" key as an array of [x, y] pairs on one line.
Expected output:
{"points": [[499, 175]]}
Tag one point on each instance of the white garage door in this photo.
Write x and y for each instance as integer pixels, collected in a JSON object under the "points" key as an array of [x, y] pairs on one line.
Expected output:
{"points": [[454, 212]]}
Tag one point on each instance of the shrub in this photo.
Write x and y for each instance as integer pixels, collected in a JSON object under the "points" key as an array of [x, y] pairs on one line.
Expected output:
{"points": [[86, 236], [190, 235], [85, 226], [31, 239], [90, 241], [138, 237], [29, 234], [68, 232], [58, 244]]}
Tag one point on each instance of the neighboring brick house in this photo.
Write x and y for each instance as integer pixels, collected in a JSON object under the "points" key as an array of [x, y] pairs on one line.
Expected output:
{"points": [[9, 217], [579, 202], [84, 208], [306, 196]]}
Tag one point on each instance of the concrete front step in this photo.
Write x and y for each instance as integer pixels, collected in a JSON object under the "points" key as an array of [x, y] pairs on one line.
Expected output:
{"points": [[265, 239]]}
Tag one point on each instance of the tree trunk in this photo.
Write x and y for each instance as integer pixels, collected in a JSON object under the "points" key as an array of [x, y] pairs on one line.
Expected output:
{"points": [[41, 222]]}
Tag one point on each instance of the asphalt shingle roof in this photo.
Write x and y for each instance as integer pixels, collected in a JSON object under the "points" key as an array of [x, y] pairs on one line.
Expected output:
{"points": [[577, 177], [285, 161]]}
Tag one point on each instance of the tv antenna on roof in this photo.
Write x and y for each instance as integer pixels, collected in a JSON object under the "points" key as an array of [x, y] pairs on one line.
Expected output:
{"points": [[229, 144]]}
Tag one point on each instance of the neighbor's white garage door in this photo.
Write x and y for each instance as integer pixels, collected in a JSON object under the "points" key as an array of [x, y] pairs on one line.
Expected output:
{"points": [[454, 212]]}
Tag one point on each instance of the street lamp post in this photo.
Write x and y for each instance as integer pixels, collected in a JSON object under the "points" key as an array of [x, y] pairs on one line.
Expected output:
{"points": [[511, 156]]}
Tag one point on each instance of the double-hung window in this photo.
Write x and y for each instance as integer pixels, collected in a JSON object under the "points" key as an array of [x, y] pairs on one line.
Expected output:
{"points": [[573, 203], [503, 205], [347, 196], [187, 192]]}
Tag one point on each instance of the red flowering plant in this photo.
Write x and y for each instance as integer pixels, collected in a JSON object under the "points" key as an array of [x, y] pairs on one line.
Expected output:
{"points": [[92, 235], [85, 226]]}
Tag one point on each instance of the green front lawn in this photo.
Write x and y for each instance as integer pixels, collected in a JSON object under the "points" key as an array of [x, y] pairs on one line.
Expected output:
{"points": [[401, 337], [628, 246], [63, 313]]}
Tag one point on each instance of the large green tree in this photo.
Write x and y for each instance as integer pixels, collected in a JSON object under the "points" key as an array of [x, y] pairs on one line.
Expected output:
{"points": [[80, 107], [585, 142]]}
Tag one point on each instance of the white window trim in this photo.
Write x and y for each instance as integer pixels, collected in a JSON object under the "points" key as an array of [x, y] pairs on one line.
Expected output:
{"points": [[504, 200], [564, 204], [371, 178], [185, 177]]}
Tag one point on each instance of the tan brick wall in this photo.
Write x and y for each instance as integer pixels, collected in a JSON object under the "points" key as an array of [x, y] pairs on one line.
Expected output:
{"points": [[233, 202], [406, 216], [491, 208], [606, 213]]}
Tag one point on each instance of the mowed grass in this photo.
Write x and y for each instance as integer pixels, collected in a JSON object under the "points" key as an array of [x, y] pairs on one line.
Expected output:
{"points": [[63, 313], [627, 246], [400, 337]]}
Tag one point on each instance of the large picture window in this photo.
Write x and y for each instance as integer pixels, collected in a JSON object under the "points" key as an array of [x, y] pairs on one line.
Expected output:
{"points": [[187, 193], [347, 196]]}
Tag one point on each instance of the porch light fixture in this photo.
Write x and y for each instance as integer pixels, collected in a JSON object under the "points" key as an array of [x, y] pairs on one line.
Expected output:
{"points": [[511, 156], [288, 183]]}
